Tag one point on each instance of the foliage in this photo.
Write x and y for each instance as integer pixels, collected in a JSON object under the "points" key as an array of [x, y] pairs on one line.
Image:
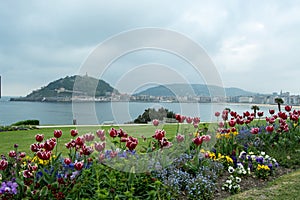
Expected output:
{"points": [[33, 122], [151, 113]]}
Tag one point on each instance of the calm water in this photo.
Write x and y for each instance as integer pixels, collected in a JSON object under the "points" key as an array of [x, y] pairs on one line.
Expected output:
{"points": [[97, 113]]}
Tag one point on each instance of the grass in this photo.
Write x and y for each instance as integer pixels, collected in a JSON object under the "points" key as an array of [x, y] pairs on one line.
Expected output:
{"points": [[285, 187], [25, 138]]}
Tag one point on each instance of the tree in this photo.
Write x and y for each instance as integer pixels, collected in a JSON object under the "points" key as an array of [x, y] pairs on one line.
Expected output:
{"points": [[279, 101], [255, 108]]}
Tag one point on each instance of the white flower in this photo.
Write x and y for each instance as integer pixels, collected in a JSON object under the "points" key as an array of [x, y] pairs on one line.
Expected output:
{"points": [[229, 181], [230, 186], [223, 188], [238, 179], [253, 157], [274, 160], [0, 177], [251, 153], [267, 157], [230, 169], [249, 171], [262, 153], [241, 154]]}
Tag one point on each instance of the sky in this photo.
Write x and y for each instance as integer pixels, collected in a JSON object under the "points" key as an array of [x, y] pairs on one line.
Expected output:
{"points": [[253, 45]]}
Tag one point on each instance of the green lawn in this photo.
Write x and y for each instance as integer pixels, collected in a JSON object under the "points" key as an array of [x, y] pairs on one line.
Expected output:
{"points": [[285, 187], [25, 138]]}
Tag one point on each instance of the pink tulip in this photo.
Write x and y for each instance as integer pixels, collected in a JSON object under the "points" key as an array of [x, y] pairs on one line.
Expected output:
{"points": [[217, 114], [180, 138], [99, 146], [254, 130], [196, 120], [100, 133], [189, 120], [155, 122]]}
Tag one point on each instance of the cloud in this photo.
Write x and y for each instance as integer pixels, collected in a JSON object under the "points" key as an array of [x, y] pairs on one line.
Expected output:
{"points": [[42, 41]]}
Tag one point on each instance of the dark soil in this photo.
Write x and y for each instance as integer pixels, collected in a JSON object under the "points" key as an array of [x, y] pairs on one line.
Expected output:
{"points": [[247, 183]]}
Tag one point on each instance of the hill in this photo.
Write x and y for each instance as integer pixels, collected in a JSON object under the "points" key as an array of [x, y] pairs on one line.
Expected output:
{"points": [[192, 90], [63, 89]]}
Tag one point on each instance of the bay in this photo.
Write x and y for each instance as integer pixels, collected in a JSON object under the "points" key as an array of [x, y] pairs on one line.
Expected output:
{"points": [[102, 112]]}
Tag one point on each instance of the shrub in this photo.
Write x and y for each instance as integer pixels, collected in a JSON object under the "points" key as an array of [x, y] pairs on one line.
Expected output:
{"points": [[33, 122]]}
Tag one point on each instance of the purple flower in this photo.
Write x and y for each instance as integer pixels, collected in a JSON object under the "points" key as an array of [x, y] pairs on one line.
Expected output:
{"points": [[8, 187], [270, 166]]}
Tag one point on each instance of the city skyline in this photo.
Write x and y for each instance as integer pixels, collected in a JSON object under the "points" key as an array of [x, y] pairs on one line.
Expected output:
{"points": [[256, 51]]}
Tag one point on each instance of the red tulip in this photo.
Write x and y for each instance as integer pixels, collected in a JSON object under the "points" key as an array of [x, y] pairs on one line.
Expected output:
{"points": [[165, 143], [12, 154], [155, 122], [288, 108], [233, 114], [270, 129], [180, 138], [282, 115], [57, 133], [67, 161], [233, 129], [22, 155], [232, 123], [44, 155], [121, 133], [198, 141], [49, 145], [179, 118], [79, 165], [260, 114], [217, 114], [79, 141], [159, 134], [3, 164], [271, 111], [86, 150], [39, 137], [246, 114], [131, 143], [74, 132], [113, 133], [254, 130]]}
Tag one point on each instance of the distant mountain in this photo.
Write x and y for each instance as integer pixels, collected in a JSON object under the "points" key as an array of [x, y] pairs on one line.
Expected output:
{"points": [[63, 89], [191, 90]]}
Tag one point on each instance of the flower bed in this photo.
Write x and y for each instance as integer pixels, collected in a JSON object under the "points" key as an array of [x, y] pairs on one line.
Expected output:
{"points": [[115, 165]]}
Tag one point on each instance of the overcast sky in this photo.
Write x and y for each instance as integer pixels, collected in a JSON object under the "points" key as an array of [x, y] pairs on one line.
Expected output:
{"points": [[255, 45]]}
